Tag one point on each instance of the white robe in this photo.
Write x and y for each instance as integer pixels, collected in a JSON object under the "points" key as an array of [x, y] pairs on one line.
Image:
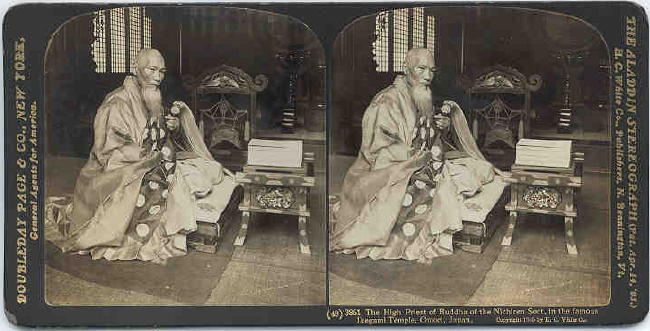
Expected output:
{"points": [[108, 185]]}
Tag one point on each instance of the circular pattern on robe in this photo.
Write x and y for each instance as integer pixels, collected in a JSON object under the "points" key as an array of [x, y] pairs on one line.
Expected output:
{"points": [[408, 229], [421, 209], [303, 233], [436, 165], [446, 109], [175, 110], [408, 200], [244, 226], [142, 230], [155, 209], [436, 151], [164, 194], [153, 185], [162, 133], [179, 241], [166, 151], [432, 192], [420, 184], [140, 201]]}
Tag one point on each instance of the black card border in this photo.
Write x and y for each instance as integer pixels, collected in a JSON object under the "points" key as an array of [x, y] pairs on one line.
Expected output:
{"points": [[326, 20]]}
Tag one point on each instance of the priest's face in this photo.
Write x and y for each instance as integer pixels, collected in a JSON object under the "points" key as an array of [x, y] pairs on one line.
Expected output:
{"points": [[151, 69], [421, 71]]}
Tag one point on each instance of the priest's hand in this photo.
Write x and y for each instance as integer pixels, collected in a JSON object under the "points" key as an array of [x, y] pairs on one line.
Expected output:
{"points": [[442, 122], [171, 122], [178, 107], [449, 106]]}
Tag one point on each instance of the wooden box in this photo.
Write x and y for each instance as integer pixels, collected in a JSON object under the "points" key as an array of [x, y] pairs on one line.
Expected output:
{"points": [[205, 238], [474, 237]]}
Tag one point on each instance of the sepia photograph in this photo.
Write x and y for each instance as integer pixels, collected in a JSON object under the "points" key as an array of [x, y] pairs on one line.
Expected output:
{"points": [[469, 160], [185, 159], [279, 164]]}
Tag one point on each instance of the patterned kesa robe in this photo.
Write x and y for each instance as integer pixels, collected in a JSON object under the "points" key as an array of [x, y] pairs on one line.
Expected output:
{"points": [[129, 205], [392, 207]]}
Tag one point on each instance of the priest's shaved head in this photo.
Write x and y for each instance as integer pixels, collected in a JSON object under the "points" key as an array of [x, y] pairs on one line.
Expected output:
{"points": [[419, 66], [150, 67]]}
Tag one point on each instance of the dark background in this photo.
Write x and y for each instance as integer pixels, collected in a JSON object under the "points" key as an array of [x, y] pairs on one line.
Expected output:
{"points": [[192, 40], [518, 38]]}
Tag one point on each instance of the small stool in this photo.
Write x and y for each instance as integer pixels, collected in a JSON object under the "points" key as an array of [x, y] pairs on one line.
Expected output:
{"points": [[544, 190], [277, 190]]}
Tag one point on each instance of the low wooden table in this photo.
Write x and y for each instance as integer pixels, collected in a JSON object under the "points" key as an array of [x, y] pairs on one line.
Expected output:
{"points": [[276, 190], [544, 190]]}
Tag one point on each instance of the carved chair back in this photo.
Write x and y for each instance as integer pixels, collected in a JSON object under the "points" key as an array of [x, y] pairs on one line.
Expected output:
{"points": [[219, 119]]}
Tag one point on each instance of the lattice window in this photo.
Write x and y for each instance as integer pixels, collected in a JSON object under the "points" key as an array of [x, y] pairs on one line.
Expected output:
{"points": [[400, 37], [431, 35], [120, 33], [135, 35], [99, 44], [380, 46], [146, 33], [397, 31], [418, 27], [118, 40]]}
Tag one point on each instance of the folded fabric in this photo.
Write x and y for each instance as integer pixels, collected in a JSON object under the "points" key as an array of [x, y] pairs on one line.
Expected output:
{"points": [[469, 174], [476, 208]]}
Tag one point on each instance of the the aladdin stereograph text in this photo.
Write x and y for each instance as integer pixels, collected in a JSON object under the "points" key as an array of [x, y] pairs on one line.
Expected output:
{"points": [[628, 166]]}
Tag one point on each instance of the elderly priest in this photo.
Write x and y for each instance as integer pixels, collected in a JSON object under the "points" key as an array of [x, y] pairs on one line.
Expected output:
{"points": [[148, 178], [401, 199]]}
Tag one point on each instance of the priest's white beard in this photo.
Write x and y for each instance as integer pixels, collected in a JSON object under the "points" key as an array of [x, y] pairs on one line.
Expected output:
{"points": [[422, 98], [153, 100]]}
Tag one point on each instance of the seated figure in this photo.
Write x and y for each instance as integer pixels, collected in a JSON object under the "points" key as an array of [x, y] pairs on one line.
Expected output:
{"points": [[147, 179], [402, 197]]}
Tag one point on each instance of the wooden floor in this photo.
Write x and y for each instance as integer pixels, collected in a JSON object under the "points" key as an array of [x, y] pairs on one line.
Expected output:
{"points": [[269, 269], [535, 270]]}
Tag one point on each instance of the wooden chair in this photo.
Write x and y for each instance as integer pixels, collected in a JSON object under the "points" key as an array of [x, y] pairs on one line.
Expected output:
{"points": [[499, 120], [225, 128]]}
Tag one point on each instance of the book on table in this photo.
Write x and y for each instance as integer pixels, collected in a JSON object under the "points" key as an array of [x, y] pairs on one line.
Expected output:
{"points": [[275, 153], [543, 153]]}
